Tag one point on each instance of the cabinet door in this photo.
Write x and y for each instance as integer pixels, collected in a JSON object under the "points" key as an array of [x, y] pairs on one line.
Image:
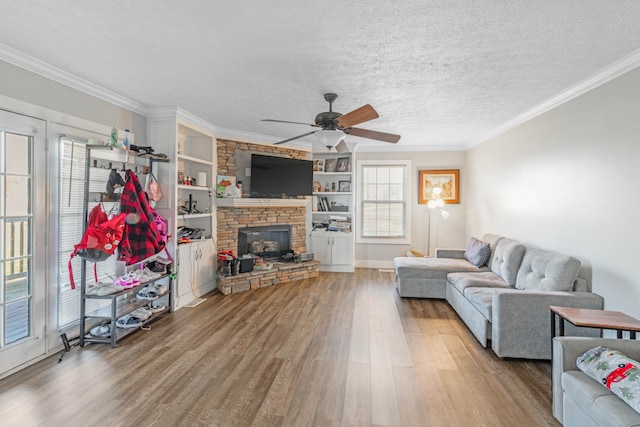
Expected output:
{"points": [[321, 246], [205, 265], [185, 269], [342, 249]]}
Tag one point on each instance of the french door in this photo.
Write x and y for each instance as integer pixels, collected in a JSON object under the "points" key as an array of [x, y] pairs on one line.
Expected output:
{"points": [[23, 212]]}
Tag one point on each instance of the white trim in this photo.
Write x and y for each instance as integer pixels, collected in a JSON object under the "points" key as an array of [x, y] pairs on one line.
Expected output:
{"points": [[408, 191], [29, 63], [376, 263], [617, 69]]}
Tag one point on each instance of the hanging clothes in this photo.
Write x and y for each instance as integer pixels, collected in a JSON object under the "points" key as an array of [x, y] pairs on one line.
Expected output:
{"points": [[141, 239]]}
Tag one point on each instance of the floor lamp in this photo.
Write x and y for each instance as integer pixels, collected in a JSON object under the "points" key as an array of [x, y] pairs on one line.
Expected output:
{"points": [[435, 202]]}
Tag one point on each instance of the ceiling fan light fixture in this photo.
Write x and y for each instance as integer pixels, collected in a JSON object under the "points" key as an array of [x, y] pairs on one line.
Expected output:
{"points": [[329, 137]]}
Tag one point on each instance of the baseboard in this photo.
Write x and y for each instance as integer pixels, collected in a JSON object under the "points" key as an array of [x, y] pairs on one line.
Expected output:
{"points": [[374, 264]]}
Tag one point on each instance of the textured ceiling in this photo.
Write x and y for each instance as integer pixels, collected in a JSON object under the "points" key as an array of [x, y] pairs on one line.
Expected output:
{"points": [[440, 73]]}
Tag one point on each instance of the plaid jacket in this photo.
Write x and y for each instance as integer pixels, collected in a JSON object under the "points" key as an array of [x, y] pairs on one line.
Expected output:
{"points": [[140, 239]]}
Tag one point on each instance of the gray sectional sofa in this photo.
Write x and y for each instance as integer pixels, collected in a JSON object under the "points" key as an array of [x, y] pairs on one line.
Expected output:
{"points": [[578, 400], [507, 301]]}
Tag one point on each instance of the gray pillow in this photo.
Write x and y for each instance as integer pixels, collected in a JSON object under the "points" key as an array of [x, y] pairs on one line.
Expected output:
{"points": [[477, 253]]}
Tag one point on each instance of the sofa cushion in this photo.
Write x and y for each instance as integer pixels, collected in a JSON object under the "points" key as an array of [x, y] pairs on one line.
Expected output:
{"points": [[602, 406], [481, 299], [506, 259], [488, 279], [477, 252], [431, 268], [615, 371], [543, 270]]}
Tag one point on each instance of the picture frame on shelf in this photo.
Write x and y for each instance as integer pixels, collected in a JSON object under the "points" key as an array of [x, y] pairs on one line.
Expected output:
{"points": [[343, 165], [448, 180], [344, 186], [330, 165], [318, 165]]}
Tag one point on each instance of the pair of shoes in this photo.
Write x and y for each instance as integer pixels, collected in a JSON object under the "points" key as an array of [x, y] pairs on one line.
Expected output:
{"points": [[102, 331], [102, 289], [129, 321], [128, 281], [156, 308], [142, 313], [152, 274], [156, 267], [148, 292]]}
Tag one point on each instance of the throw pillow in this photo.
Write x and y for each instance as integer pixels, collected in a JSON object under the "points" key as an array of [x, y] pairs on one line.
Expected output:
{"points": [[615, 371], [477, 253]]}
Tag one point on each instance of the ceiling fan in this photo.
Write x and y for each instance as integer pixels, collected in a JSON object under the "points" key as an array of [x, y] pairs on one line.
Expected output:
{"points": [[334, 127]]}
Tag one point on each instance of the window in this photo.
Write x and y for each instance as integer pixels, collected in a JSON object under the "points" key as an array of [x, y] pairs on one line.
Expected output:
{"points": [[382, 197]]}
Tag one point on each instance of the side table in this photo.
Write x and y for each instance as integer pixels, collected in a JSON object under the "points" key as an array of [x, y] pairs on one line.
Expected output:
{"points": [[590, 318]]}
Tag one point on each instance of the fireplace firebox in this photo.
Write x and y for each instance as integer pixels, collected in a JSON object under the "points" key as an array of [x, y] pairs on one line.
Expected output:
{"points": [[268, 242]]}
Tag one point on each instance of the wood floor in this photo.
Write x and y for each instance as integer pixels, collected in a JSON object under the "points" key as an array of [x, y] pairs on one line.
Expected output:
{"points": [[339, 350]]}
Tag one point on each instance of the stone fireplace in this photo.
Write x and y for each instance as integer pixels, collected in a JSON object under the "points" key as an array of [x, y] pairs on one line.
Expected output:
{"points": [[234, 215]]}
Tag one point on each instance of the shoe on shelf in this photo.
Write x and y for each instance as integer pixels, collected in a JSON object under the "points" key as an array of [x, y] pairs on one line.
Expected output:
{"points": [[128, 281], [156, 308], [103, 330], [142, 313], [160, 289], [152, 274], [128, 321], [102, 289], [147, 292]]}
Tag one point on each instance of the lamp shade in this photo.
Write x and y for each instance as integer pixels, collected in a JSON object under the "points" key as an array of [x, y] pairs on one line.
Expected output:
{"points": [[329, 137]]}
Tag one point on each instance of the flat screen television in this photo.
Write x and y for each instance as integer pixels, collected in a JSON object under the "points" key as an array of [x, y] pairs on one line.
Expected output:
{"points": [[277, 177]]}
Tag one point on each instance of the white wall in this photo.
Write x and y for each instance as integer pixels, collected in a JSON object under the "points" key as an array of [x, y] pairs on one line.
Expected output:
{"points": [[568, 180], [444, 234]]}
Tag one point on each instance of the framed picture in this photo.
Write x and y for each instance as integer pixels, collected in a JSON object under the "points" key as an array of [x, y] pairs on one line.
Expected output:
{"points": [[318, 165], [330, 165], [343, 164], [448, 180], [344, 186]]}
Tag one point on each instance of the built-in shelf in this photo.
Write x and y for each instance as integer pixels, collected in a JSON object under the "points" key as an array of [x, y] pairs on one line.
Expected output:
{"points": [[194, 159], [192, 216], [324, 193], [260, 203], [333, 173], [193, 187], [331, 213]]}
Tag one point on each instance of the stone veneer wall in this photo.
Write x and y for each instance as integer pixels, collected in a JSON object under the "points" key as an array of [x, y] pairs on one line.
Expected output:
{"points": [[227, 150], [230, 219]]}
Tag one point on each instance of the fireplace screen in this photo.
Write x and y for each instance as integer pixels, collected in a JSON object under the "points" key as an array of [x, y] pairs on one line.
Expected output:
{"points": [[268, 242]]}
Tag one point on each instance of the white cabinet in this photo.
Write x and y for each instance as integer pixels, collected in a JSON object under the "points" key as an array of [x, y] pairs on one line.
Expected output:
{"points": [[334, 250], [196, 274], [188, 202]]}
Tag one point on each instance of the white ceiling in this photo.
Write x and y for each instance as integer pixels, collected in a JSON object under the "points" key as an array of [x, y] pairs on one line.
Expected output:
{"points": [[439, 73]]}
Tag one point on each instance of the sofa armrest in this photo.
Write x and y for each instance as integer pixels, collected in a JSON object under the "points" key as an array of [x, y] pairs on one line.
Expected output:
{"points": [[567, 349], [450, 253], [521, 320]]}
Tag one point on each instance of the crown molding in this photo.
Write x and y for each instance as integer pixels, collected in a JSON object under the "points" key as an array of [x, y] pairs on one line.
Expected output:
{"points": [[616, 69], [29, 63]]}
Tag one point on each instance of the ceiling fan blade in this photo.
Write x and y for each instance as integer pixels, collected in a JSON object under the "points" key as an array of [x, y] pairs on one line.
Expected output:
{"points": [[357, 116], [295, 137], [372, 134], [286, 121]]}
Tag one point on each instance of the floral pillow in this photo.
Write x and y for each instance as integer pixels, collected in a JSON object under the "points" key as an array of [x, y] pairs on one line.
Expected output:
{"points": [[615, 371]]}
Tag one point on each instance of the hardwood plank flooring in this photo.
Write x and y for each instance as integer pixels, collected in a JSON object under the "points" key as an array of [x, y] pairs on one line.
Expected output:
{"points": [[337, 350]]}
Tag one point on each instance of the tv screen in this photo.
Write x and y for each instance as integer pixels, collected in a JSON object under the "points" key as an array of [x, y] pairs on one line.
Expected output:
{"points": [[278, 177]]}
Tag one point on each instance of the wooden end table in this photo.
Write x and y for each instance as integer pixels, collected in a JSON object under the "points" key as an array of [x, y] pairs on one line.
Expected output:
{"points": [[590, 318]]}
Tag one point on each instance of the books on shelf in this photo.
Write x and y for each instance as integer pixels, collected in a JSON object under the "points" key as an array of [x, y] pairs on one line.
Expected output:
{"points": [[322, 204]]}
